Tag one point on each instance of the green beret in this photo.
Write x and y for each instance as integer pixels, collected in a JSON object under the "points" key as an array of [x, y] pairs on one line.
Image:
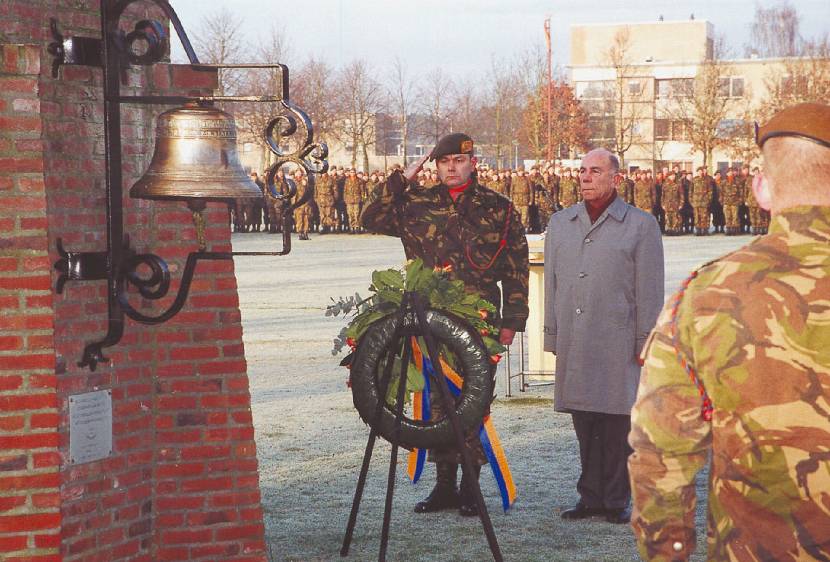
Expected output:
{"points": [[454, 143]]}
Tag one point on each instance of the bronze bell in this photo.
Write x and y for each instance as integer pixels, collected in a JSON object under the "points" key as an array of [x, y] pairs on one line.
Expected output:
{"points": [[195, 158]]}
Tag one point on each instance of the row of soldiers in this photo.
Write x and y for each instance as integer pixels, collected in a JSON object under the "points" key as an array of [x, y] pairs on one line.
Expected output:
{"points": [[681, 203]]}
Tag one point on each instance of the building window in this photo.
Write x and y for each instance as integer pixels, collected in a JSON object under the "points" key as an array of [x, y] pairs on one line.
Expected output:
{"points": [[595, 90], [731, 87], [730, 128], [601, 127], [670, 129], [661, 129], [674, 87], [635, 87]]}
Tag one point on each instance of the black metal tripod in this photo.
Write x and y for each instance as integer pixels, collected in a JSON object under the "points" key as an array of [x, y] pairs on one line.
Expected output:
{"points": [[413, 303]]}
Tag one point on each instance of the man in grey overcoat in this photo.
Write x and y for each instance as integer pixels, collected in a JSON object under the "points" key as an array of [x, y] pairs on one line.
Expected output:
{"points": [[603, 292]]}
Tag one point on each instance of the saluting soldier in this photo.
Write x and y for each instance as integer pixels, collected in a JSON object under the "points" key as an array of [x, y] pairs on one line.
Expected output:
{"points": [[473, 233], [700, 197]]}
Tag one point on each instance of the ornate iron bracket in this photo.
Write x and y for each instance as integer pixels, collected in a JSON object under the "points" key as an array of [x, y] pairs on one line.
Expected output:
{"points": [[120, 264]]}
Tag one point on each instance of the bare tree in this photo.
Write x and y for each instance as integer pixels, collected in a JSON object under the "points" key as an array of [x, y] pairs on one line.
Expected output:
{"points": [[401, 92], [359, 98], [805, 78], [774, 32], [502, 109], [466, 108], [434, 104], [219, 40], [628, 111], [701, 110], [313, 89]]}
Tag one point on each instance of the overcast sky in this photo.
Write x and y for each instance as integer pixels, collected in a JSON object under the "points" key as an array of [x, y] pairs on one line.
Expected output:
{"points": [[462, 36]]}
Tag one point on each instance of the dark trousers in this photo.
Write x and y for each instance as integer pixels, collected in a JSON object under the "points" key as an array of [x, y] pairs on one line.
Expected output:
{"points": [[603, 452]]}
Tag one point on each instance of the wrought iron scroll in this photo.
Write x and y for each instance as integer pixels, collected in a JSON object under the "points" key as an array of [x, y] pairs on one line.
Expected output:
{"points": [[120, 265]]}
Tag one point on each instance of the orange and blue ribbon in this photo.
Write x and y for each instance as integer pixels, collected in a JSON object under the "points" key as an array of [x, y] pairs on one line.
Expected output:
{"points": [[490, 442]]}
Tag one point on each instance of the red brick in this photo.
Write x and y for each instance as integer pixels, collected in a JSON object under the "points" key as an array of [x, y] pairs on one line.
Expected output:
{"points": [[43, 381], [39, 301], [12, 382], [9, 301], [180, 502], [11, 502], [180, 470], [28, 402], [45, 460], [187, 536], [12, 544], [28, 85], [34, 223], [33, 282], [40, 342], [12, 423], [27, 362], [207, 484], [51, 480], [9, 264], [174, 554], [240, 532], [22, 166], [31, 441], [42, 421], [216, 301], [191, 353], [48, 541], [35, 522]]}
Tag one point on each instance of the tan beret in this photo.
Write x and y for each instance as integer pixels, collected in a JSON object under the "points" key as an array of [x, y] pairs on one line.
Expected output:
{"points": [[807, 120]]}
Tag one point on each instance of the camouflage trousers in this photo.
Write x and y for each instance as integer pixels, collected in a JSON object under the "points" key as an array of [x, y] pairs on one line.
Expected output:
{"points": [[524, 215], [702, 217], [327, 216], [731, 218], [673, 221], [755, 216], [353, 210], [645, 206], [302, 217]]}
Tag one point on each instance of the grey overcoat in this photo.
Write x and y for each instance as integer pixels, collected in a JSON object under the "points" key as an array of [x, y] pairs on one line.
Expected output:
{"points": [[603, 292]]}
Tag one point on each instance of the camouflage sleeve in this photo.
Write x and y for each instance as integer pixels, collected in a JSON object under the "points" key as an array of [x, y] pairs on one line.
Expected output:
{"points": [[670, 442], [381, 215], [514, 278]]}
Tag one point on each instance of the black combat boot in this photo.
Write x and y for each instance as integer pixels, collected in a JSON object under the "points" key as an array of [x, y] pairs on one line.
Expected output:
{"points": [[445, 493], [469, 506]]}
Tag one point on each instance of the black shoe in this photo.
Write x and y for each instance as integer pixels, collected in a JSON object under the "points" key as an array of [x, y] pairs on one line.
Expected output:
{"points": [[441, 498], [581, 511], [619, 516]]}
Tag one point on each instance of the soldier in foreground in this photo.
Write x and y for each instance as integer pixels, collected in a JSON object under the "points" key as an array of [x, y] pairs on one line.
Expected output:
{"points": [[738, 368], [475, 234]]}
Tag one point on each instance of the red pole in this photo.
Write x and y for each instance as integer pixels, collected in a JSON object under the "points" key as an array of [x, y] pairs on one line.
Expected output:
{"points": [[549, 146]]}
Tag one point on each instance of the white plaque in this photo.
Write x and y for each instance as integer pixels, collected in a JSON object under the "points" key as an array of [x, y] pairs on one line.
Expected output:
{"points": [[90, 426]]}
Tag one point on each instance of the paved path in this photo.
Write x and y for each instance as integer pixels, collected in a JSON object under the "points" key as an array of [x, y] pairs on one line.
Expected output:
{"points": [[310, 439]]}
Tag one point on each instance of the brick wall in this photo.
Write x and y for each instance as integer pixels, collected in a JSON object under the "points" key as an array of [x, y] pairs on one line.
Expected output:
{"points": [[182, 483], [29, 460]]}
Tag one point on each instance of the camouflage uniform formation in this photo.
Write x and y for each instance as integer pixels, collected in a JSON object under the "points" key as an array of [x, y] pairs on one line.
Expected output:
{"points": [[353, 196], [672, 201], [324, 196], [766, 369], [643, 193], [568, 190], [464, 235], [302, 214], [731, 198], [522, 196], [274, 205], [700, 196]]}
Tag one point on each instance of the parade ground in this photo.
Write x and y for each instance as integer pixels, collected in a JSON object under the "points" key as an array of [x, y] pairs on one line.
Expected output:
{"points": [[310, 439]]}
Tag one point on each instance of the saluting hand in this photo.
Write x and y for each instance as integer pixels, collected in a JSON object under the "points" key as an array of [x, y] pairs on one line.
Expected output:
{"points": [[411, 171]]}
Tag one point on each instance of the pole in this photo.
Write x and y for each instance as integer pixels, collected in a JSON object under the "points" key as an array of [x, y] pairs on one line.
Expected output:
{"points": [[549, 145]]}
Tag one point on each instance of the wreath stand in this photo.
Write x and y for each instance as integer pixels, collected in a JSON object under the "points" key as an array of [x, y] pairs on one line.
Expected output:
{"points": [[412, 303]]}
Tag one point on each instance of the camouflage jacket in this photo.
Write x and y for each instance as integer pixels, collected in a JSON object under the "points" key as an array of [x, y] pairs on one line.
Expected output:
{"points": [[749, 195], [732, 192], [568, 191], [754, 328], [353, 191], [465, 234], [672, 198], [324, 191], [521, 192], [701, 193], [644, 195]]}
